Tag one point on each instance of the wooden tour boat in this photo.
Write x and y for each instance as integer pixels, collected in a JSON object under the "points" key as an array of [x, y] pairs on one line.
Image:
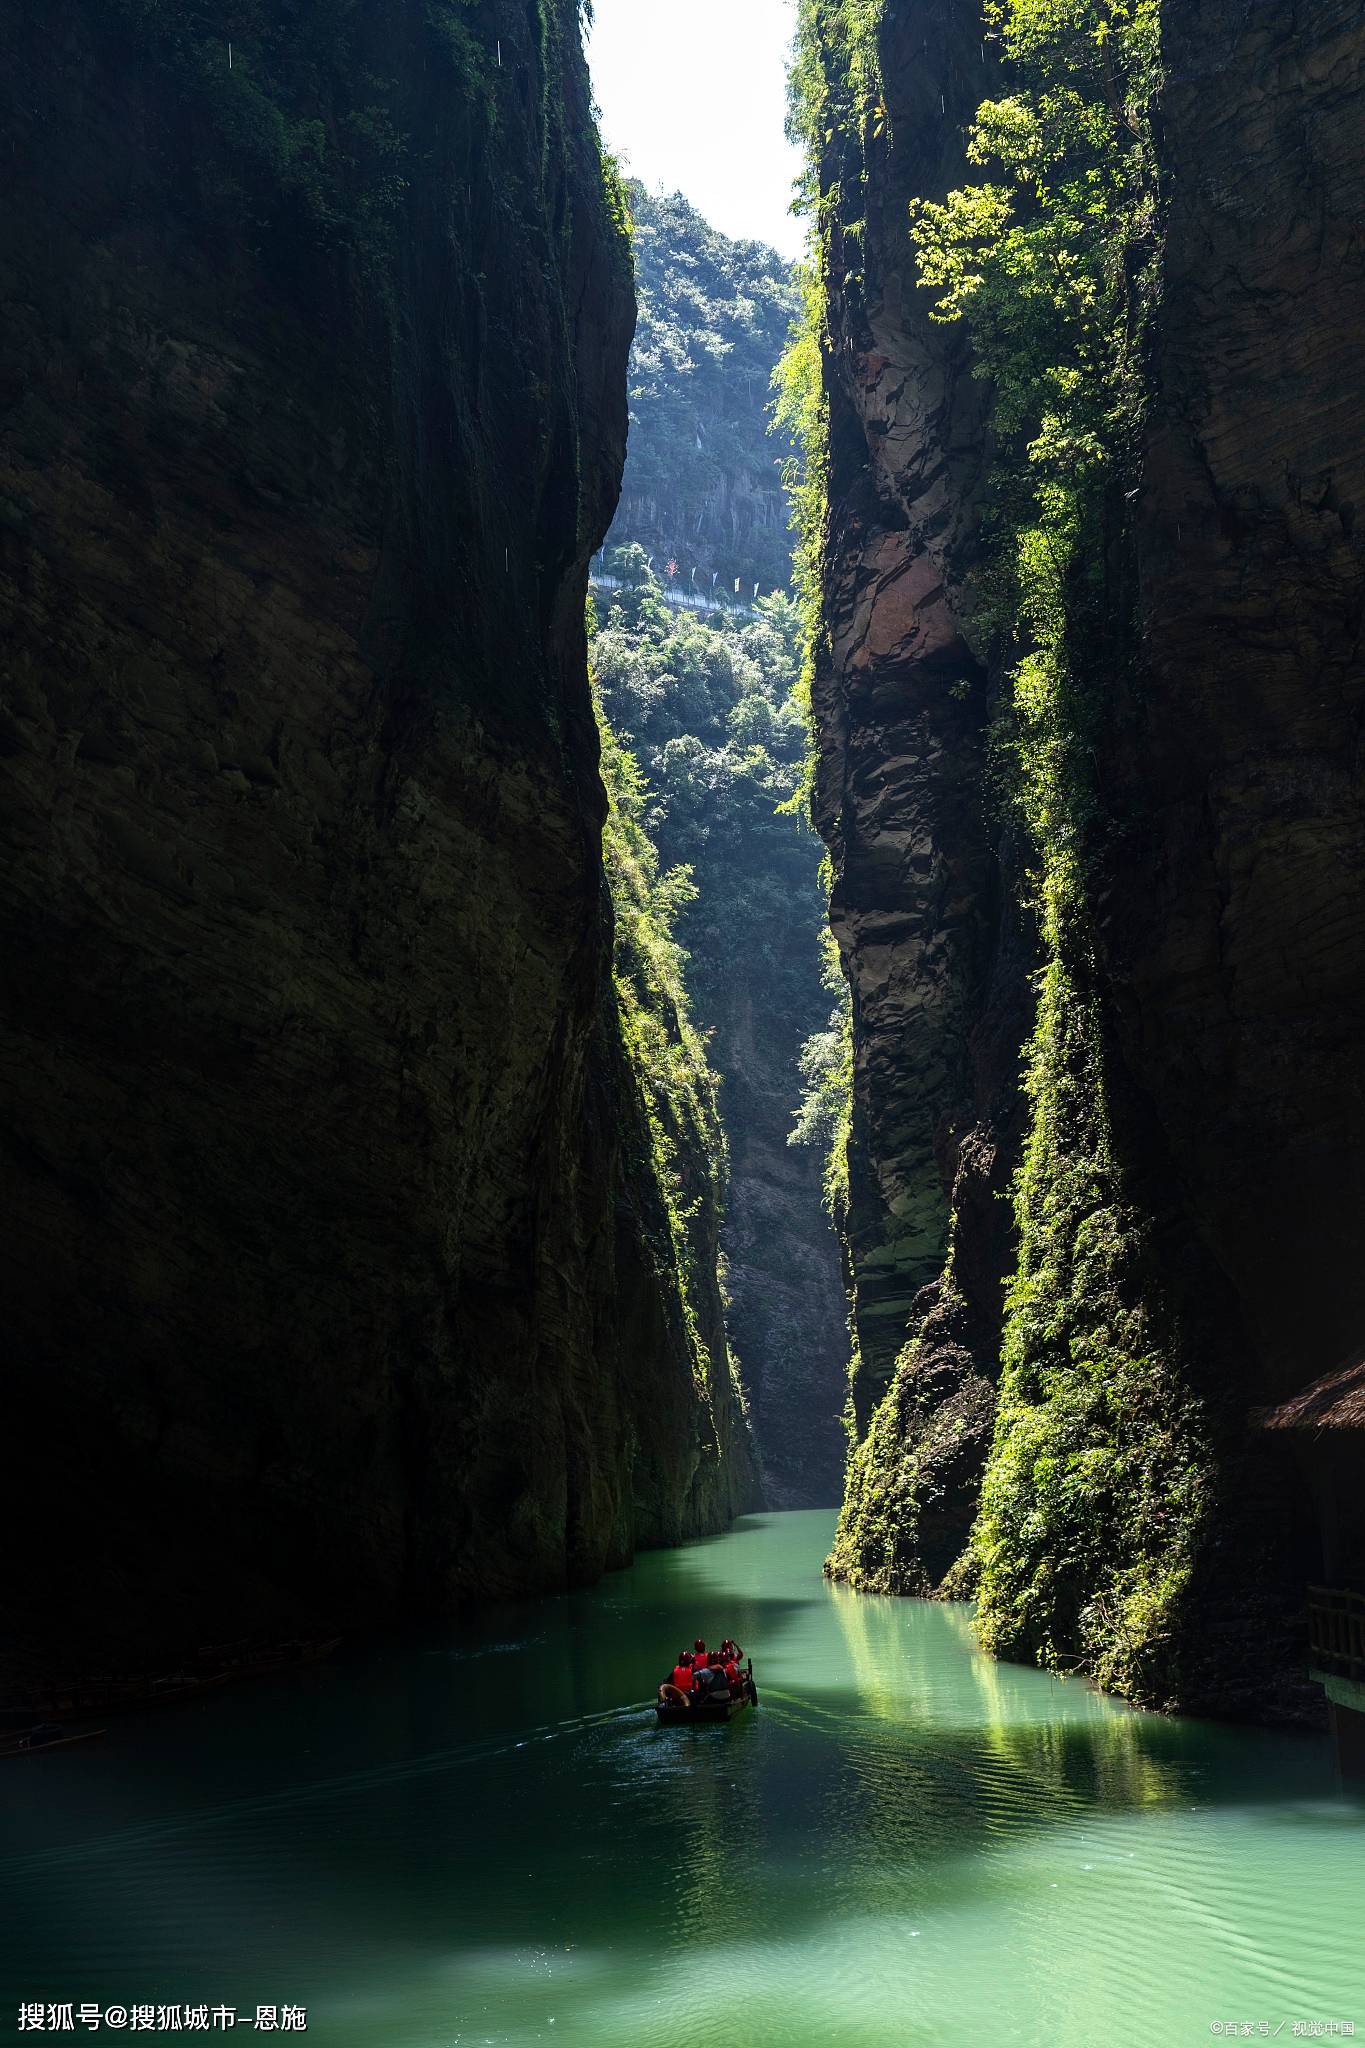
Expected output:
{"points": [[674, 1709]]}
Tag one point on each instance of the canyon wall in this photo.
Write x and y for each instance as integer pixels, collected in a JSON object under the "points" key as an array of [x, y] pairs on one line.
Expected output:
{"points": [[935, 953], [339, 1283], [1236, 932], [787, 1309], [1206, 1169]]}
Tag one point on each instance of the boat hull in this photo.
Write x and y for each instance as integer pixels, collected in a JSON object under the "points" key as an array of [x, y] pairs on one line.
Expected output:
{"points": [[712, 1710], [27, 1748]]}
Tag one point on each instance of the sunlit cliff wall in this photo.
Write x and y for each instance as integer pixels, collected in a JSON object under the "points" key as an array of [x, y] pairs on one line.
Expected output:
{"points": [[1197, 1150]]}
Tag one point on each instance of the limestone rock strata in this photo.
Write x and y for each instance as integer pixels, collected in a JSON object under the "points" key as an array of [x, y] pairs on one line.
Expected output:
{"points": [[336, 1278]]}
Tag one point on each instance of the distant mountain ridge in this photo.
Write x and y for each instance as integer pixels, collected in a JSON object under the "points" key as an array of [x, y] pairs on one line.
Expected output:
{"points": [[703, 483]]}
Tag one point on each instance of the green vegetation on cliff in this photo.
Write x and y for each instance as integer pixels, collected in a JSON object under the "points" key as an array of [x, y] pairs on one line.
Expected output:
{"points": [[702, 487], [707, 706], [717, 886], [667, 1053], [1096, 1491], [274, 83], [1094, 1496], [836, 103]]}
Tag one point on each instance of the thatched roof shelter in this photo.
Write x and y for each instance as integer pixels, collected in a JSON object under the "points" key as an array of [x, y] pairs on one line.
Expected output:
{"points": [[1337, 1401]]}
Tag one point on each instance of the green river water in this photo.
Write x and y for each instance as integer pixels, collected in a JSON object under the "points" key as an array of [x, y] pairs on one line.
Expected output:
{"points": [[482, 1838]]}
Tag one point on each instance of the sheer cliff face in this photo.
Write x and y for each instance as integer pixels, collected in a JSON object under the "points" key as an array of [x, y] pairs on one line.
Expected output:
{"points": [[787, 1308], [335, 1275], [1226, 912], [901, 712], [1237, 931]]}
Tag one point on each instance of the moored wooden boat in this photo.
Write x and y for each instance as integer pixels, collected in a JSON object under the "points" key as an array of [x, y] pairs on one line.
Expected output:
{"points": [[33, 1742], [108, 1695], [218, 1665]]}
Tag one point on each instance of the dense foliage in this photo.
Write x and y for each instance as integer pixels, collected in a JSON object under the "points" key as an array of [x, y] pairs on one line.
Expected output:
{"points": [[801, 411], [709, 711], [836, 99], [667, 1052], [825, 1112], [710, 751], [703, 486]]}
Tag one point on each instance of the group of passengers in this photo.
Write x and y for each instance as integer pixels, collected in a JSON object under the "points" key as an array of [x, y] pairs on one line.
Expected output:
{"points": [[701, 1674]]}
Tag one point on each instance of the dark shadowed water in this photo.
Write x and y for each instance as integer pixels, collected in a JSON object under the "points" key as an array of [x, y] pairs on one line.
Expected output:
{"points": [[484, 1839]]}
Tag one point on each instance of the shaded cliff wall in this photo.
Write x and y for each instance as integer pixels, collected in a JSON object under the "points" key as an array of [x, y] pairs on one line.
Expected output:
{"points": [[1236, 933], [337, 1277], [1204, 1190], [899, 702]]}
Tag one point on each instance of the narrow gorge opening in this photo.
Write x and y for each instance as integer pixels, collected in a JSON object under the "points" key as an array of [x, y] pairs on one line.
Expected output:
{"points": [[697, 649], [682, 837]]}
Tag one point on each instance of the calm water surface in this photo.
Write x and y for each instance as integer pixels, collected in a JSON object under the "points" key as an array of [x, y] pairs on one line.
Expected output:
{"points": [[480, 1839]]}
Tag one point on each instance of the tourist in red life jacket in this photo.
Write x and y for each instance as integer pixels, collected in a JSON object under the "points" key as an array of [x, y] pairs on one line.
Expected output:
{"points": [[732, 1675], [681, 1674], [701, 1678], [699, 1653]]}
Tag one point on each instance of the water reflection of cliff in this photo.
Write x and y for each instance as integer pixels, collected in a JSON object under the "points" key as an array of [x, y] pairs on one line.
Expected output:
{"points": [[1021, 1742]]}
